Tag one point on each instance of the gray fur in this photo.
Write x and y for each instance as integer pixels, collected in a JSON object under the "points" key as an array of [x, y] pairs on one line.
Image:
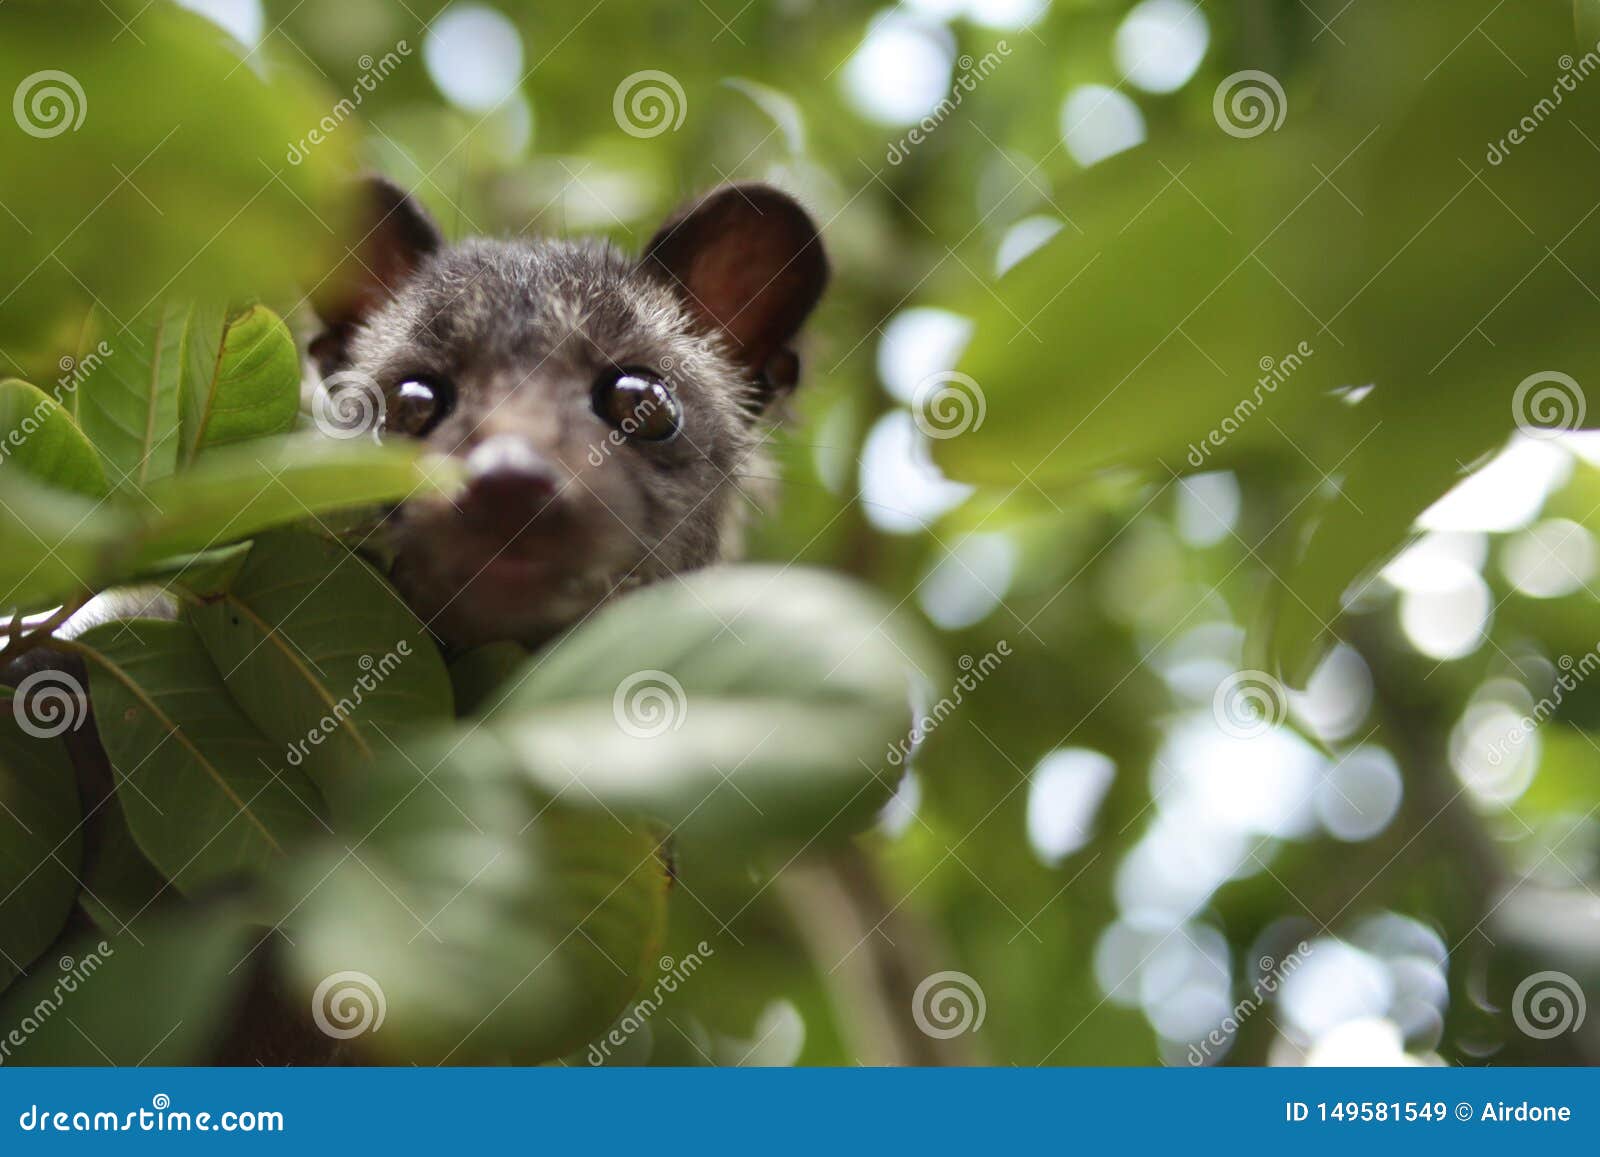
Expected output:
{"points": [[523, 329]]}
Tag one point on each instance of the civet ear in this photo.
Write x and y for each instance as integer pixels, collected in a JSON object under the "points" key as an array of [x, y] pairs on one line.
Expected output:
{"points": [[394, 234], [748, 263]]}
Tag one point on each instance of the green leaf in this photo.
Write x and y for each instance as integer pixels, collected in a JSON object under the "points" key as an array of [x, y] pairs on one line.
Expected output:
{"points": [[128, 403], [53, 543], [157, 999], [238, 491], [204, 573], [477, 674], [38, 435], [206, 795], [1076, 365], [322, 654], [1458, 360], [245, 385], [1586, 19], [121, 886], [41, 848], [738, 701], [137, 193], [497, 927]]}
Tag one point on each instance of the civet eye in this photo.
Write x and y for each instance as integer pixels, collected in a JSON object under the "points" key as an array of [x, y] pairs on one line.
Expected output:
{"points": [[417, 406], [639, 404]]}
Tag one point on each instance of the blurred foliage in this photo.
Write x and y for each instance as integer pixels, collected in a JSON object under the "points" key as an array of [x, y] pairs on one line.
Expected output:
{"points": [[1373, 239]]}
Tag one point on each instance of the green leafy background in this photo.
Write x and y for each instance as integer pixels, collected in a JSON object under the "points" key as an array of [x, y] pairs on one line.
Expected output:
{"points": [[1109, 863]]}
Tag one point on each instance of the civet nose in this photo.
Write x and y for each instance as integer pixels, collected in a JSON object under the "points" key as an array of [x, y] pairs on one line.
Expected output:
{"points": [[508, 483]]}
